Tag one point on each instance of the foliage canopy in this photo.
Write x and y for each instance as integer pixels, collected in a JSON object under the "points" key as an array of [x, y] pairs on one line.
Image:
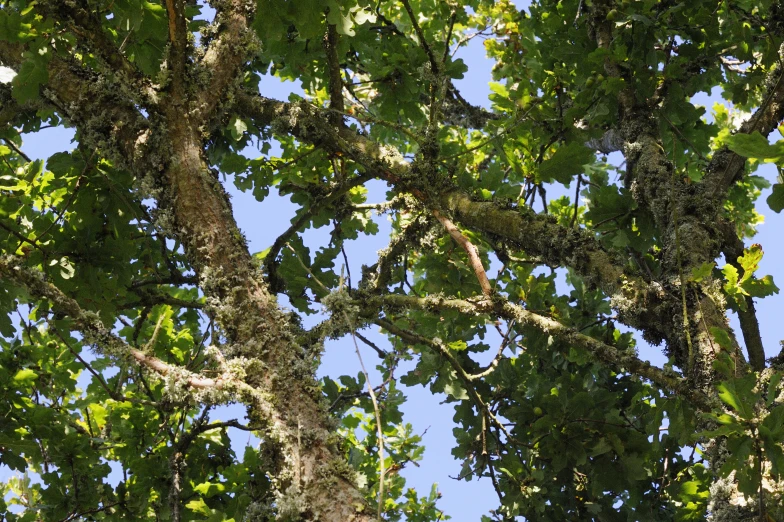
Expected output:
{"points": [[131, 306]]}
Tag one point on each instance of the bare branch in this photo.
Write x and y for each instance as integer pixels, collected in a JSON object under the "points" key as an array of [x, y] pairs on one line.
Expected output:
{"points": [[421, 36], [17, 150], [537, 235], [470, 250], [377, 413]]}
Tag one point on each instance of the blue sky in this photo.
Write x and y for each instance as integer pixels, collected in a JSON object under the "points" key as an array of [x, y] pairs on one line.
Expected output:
{"points": [[262, 223]]}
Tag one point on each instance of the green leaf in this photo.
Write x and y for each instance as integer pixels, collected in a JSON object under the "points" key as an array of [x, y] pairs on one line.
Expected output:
{"points": [[458, 346], [209, 489], [773, 386], [32, 74], [98, 413], [776, 199], [607, 205], [722, 337], [456, 69], [755, 146], [238, 128], [775, 422], [364, 15], [263, 254], [775, 456], [731, 275], [67, 269], [567, 161], [154, 23], [760, 287], [750, 260], [342, 22], [738, 394], [455, 389], [730, 425], [13, 28], [25, 377], [701, 272], [199, 506]]}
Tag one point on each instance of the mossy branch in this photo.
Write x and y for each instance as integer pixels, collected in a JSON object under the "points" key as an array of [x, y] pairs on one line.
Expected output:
{"points": [[623, 361], [537, 235], [93, 330], [236, 42]]}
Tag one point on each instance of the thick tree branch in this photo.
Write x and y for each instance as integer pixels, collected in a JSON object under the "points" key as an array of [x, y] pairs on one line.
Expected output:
{"points": [[623, 361], [178, 50], [90, 326], [256, 329], [234, 44], [92, 38], [341, 502], [107, 121], [335, 84], [542, 237], [682, 215], [535, 234]]}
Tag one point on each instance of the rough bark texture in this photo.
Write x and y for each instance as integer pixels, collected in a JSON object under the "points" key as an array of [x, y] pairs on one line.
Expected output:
{"points": [[312, 480], [160, 133]]}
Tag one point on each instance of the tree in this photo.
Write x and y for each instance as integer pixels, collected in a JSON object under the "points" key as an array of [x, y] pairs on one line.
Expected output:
{"points": [[123, 263]]}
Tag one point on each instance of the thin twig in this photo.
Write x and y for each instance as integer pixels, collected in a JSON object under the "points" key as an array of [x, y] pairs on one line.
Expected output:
{"points": [[576, 200], [17, 150], [421, 36], [371, 391], [684, 138], [335, 83], [381, 353], [21, 237], [157, 329], [348, 270], [377, 412], [448, 37]]}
